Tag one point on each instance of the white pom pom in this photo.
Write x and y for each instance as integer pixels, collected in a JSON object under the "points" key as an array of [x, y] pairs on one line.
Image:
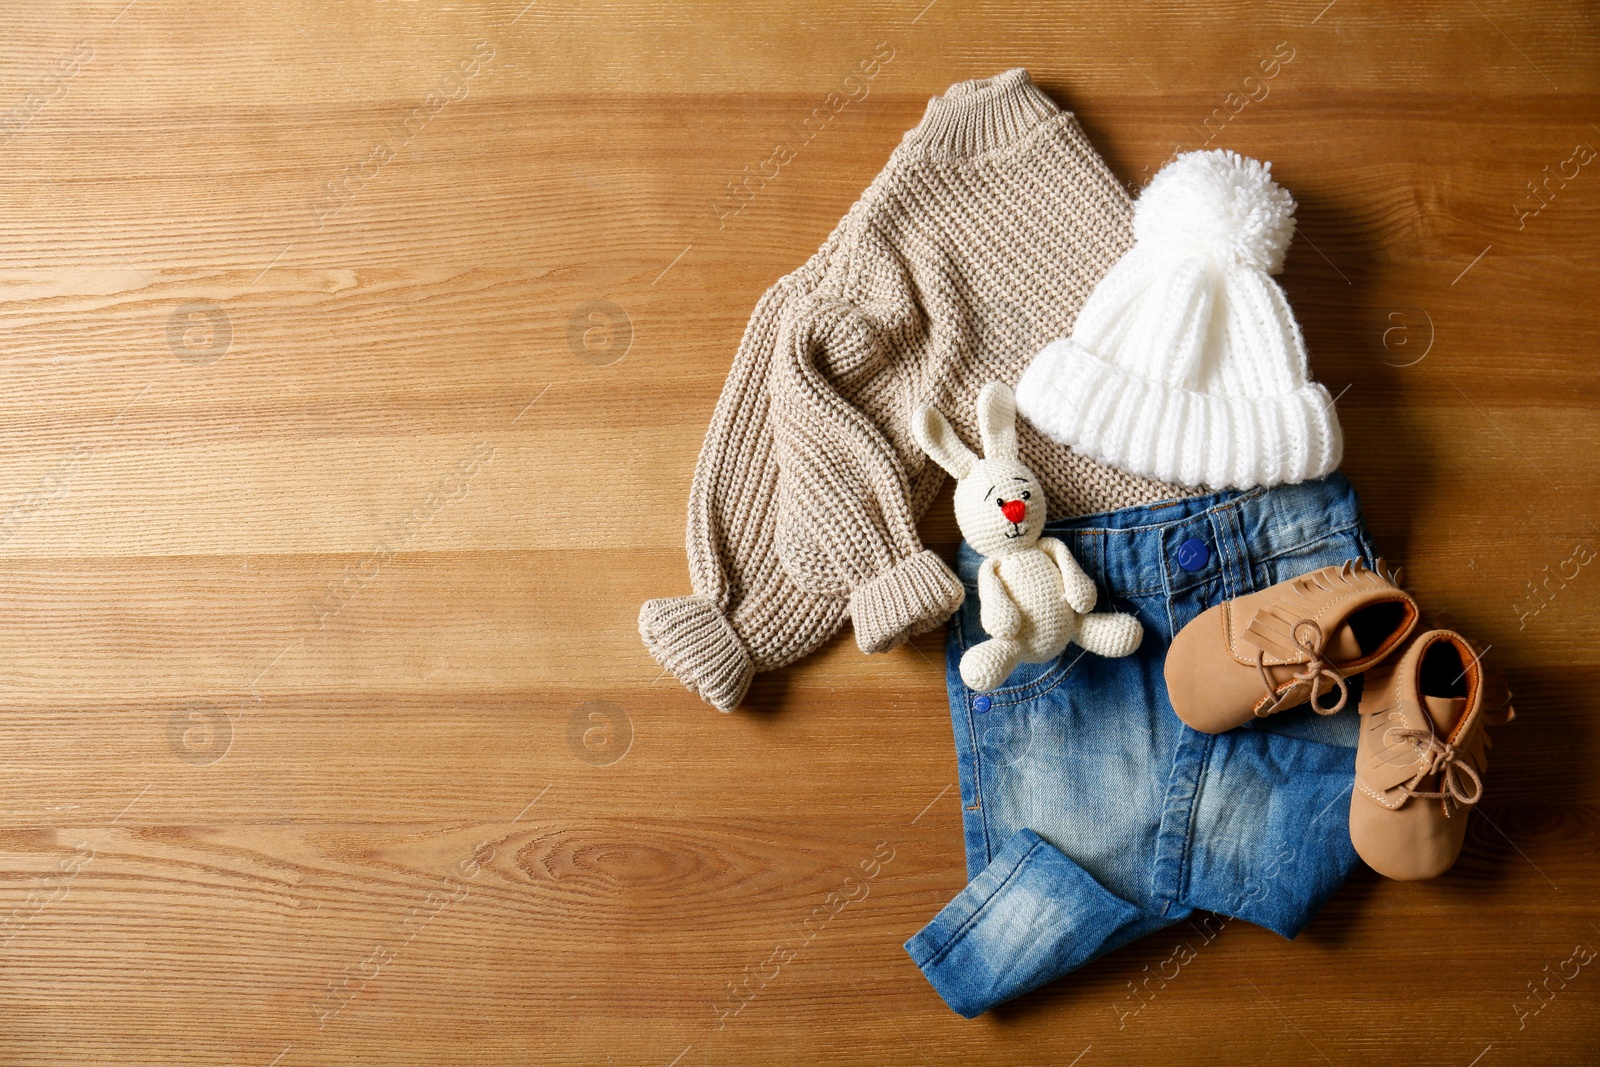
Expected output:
{"points": [[1217, 203]]}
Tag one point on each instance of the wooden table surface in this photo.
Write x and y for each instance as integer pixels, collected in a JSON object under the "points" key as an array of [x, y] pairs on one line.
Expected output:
{"points": [[356, 360]]}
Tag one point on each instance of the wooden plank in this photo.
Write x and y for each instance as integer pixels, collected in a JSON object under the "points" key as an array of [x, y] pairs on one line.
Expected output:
{"points": [[327, 506]]}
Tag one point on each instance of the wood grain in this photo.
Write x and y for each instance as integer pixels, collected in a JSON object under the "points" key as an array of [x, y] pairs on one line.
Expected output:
{"points": [[326, 508]]}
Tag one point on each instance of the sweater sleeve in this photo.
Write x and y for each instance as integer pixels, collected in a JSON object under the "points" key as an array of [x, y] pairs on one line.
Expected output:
{"points": [[798, 513], [746, 614], [845, 524]]}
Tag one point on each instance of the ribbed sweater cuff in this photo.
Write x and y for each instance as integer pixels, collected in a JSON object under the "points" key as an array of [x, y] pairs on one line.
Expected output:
{"points": [[692, 638], [912, 597]]}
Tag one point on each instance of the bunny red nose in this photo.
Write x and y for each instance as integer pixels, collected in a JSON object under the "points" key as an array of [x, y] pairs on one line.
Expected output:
{"points": [[1014, 510]]}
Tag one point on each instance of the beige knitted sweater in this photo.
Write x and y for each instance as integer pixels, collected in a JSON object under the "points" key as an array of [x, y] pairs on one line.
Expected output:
{"points": [[973, 248]]}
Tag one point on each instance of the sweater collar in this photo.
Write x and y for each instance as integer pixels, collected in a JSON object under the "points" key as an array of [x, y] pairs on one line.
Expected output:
{"points": [[978, 116]]}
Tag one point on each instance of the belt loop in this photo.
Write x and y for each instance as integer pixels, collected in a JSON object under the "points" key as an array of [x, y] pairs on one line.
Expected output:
{"points": [[1234, 553], [1099, 552], [1088, 547]]}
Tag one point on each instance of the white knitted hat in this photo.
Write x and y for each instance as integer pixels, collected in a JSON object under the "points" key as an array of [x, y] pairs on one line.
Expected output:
{"points": [[1186, 363]]}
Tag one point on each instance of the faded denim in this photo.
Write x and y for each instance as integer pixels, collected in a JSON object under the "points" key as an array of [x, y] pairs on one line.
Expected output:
{"points": [[1092, 815]]}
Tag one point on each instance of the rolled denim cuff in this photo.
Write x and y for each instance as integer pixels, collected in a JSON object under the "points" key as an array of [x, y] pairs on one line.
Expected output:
{"points": [[1030, 916]]}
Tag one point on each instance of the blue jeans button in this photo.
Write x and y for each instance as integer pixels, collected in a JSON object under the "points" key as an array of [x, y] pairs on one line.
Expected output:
{"points": [[980, 704], [1193, 554]]}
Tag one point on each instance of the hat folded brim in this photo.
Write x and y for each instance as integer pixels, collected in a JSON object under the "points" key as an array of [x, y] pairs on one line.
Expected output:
{"points": [[1174, 434]]}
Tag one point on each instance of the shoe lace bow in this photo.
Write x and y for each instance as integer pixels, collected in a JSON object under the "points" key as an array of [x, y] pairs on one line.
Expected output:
{"points": [[1441, 758], [1321, 675]]}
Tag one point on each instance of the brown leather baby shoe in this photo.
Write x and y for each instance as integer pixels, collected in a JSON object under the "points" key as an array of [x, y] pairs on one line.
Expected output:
{"points": [[1422, 754], [1297, 641]]}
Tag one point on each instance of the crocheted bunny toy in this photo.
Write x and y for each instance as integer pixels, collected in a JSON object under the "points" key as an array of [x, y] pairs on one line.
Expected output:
{"points": [[1033, 596]]}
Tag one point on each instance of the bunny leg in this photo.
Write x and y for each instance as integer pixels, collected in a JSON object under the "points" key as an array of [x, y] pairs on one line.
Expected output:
{"points": [[1105, 634], [987, 664]]}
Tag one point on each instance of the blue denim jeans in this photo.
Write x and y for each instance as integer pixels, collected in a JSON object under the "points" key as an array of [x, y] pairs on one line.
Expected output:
{"points": [[1092, 815]]}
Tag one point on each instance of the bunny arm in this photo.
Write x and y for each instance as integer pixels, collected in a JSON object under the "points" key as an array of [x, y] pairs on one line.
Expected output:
{"points": [[997, 612], [1078, 587]]}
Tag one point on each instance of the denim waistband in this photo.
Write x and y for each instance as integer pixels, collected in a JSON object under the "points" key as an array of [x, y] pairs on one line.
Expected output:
{"points": [[1147, 550]]}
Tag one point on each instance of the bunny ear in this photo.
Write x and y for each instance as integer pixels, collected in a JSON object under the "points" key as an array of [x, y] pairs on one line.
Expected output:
{"points": [[997, 421], [940, 442]]}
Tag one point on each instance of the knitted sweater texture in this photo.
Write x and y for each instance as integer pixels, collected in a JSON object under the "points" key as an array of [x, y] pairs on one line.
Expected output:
{"points": [[975, 246]]}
